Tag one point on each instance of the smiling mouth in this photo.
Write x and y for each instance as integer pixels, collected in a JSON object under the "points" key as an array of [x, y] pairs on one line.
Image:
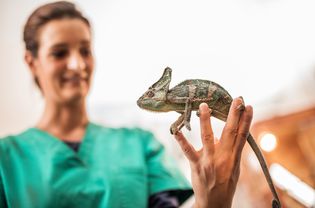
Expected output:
{"points": [[76, 80]]}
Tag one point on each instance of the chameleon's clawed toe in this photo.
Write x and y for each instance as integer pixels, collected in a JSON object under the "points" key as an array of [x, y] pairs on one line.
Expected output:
{"points": [[187, 125], [173, 130], [241, 107]]}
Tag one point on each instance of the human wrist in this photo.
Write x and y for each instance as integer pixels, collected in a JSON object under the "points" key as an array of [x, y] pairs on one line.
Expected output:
{"points": [[212, 205], [215, 204]]}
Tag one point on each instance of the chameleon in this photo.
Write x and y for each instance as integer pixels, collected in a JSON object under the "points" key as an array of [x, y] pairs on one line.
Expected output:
{"points": [[185, 98]]}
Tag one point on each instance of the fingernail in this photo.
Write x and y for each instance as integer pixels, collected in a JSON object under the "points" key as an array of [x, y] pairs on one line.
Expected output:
{"points": [[203, 105]]}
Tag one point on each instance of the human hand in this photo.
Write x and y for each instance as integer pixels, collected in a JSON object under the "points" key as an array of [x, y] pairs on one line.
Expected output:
{"points": [[215, 167]]}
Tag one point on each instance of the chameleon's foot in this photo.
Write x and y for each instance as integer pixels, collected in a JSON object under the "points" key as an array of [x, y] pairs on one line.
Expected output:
{"points": [[173, 130], [187, 125], [241, 107], [198, 112], [177, 125]]}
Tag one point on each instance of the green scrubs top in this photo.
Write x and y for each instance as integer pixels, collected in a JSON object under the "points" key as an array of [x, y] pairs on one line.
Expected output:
{"points": [[112, 168]]}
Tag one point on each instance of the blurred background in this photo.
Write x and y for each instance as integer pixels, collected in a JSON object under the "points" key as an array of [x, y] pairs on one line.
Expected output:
{"points": [[263, 50]]}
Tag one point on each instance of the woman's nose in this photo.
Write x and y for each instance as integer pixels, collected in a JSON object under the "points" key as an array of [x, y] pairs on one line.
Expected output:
{"points": [[76, 62]]}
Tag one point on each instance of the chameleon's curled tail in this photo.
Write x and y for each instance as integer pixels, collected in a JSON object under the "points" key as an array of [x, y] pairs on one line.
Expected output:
{"points": [[254, 146]]}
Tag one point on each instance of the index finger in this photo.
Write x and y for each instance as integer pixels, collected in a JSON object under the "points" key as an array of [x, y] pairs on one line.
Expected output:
{"points": [[188, 149], [206, 128]]}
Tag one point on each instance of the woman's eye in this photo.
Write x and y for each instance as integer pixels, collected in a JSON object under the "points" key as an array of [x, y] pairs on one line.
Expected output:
{"points": [[150, 94], [59, 54], [85, 52]]}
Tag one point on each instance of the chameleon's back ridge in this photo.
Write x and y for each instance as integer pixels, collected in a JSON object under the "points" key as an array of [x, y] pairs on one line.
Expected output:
{"points": [[186, 97]]}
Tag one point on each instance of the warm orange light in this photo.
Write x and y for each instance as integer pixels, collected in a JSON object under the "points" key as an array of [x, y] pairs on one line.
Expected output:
{"points": [[268, 142]]}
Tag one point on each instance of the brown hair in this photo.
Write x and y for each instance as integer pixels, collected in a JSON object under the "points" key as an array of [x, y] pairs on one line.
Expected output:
{"points": [[44, 14]]}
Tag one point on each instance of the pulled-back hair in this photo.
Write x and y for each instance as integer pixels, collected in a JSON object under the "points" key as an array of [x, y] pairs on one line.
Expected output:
{"points": [[44, 14]]}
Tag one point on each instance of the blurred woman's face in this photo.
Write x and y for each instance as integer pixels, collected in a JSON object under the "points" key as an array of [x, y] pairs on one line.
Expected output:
{"points": [[64, 64]]}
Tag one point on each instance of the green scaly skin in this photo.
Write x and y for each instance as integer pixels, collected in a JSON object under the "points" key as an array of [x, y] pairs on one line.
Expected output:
{"points": [[185, 98]]}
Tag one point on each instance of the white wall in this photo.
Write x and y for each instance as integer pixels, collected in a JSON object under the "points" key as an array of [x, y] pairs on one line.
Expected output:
{"points": [[252, 48]]}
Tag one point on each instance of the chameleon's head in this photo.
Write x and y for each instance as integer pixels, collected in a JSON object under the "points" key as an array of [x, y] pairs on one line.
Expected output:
{"points": [[154, 98]]}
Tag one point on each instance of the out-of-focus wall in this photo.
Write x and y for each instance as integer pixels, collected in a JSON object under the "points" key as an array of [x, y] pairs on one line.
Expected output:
{"points": [[20, 103]]}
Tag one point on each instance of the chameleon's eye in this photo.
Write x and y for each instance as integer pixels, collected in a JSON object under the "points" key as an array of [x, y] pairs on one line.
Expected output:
{"points": [[150, 94]]}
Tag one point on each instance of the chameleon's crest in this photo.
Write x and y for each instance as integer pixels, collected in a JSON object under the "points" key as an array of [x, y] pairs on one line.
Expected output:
{"points": [[164, 82], [154, 98]]}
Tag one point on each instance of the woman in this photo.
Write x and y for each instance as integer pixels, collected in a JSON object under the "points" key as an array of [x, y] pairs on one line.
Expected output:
{"points": [[68, 161]]}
